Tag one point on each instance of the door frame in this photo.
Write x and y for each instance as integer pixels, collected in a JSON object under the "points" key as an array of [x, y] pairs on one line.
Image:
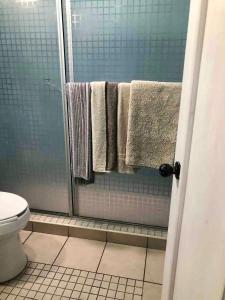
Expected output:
{"points": [[193, 54]]}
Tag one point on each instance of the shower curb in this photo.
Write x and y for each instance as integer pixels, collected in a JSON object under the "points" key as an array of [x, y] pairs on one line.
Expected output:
{"points": [[100, 230]]}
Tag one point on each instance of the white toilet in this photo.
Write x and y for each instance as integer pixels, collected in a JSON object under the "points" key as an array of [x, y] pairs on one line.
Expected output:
{"points": [[14, 215]]}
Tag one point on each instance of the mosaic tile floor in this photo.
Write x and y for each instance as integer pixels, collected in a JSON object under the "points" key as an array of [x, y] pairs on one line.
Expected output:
{"points": [[63, 267], [45, 281], [99, 224]]}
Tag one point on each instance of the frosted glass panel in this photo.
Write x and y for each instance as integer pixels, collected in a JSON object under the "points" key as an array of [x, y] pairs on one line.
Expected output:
{"points": [[32, 155], [122, 40]]}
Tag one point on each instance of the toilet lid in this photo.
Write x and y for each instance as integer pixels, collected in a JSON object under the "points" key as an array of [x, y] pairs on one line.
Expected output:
{"points": [[11, 205]]}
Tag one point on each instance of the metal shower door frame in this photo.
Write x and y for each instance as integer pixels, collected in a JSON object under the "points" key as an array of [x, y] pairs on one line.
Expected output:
{"points": [[61, 45]]}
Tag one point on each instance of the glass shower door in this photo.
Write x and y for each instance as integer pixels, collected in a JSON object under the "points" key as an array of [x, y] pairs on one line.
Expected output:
{"points": [[32, 141], [124, 40]]}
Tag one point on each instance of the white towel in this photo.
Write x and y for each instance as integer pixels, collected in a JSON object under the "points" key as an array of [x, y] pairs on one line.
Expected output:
{"points": [[98, 114], [122, 121], [152, 123]]}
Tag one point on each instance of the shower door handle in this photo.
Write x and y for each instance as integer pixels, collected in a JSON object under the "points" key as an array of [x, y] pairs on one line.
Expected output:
{"points": [[166, 170]]}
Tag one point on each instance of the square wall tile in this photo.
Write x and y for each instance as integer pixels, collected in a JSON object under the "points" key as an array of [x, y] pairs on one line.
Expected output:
{"points": [[81, 254], [127, 239], [86, 233], [123, 260], [154, 266], [156, 243], [44, 248], [152, 291], [51, 228]]}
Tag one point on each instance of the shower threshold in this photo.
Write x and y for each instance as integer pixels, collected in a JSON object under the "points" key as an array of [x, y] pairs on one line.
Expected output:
{"points": [[98, 229]]}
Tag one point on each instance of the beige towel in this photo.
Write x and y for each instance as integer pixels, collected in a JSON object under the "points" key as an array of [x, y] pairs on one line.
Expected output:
{"points": [[98, 115], [122, 121], [152, 123]]}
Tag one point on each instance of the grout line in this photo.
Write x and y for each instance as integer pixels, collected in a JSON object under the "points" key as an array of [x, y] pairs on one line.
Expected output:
{"points": [[27, 237], [146, 254], [60, 251], [61, 279], [101, 256], [127, 285], [152, 282], [100, 286]]}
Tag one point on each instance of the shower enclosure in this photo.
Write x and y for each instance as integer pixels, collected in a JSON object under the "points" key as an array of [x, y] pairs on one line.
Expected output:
{"points": [[43, 44]]}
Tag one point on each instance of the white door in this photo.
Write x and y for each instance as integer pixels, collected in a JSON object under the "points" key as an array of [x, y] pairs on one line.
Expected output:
{"points": [[196, 29], [196, 268]]}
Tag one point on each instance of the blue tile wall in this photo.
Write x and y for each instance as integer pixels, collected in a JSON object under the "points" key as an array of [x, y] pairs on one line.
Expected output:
{"points": [[123, 40]]}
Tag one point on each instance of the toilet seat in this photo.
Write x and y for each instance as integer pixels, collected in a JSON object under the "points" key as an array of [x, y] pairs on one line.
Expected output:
{"points": [[11, 207], [14, 213]]}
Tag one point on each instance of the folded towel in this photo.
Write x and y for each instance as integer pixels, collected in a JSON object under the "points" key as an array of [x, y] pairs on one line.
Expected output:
{"points": [[122, 119], [111, 127], [98, 115], [152, 123], [78, 95]]}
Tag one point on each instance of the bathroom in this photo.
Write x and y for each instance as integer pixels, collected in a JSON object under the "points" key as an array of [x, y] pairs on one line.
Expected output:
{"points": [[138, 229]]}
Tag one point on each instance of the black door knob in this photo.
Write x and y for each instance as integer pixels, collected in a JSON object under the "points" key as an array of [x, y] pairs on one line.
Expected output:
{"points": [[166, 170]]}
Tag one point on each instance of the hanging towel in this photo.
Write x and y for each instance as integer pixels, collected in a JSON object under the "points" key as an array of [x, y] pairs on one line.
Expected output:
{"points": [[111, 127], [152, 123], [122, 122], [98, 115], [78, 95]]}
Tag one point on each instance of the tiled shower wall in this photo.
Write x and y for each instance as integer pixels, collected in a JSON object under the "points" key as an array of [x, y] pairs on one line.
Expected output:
{"points": [[123, 40], [142, 198]]}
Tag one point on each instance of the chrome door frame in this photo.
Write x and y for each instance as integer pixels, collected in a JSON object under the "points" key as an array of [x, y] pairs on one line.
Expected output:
{"points": [[61, 44]]}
